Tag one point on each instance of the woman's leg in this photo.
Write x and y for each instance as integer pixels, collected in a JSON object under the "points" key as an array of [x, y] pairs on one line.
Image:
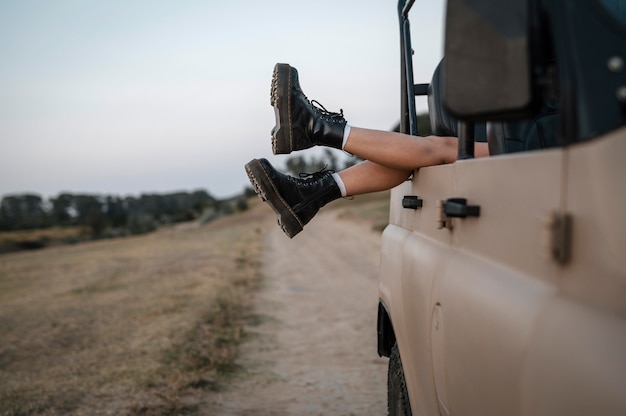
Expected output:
{"points": [[392, 157], [368, 176], [301, 124], [297, 200], [405, 152]]}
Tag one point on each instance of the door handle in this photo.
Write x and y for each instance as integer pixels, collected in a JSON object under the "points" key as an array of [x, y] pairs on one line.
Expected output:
{"points": [[412, 202], [458, 208]]}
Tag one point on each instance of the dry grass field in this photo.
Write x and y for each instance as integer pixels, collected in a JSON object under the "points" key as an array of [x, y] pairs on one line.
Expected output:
{"points": [[24, 239], [136, 326], [146, 325], [370, 208]]}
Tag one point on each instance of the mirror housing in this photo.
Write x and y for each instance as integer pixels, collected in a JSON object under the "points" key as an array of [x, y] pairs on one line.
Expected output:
{"points": [[488, 64]]}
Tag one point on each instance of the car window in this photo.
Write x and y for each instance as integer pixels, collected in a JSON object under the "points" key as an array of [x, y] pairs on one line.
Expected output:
{"points": [[427, 33]]}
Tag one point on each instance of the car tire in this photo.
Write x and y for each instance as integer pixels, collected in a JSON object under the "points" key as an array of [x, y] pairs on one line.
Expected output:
{"points": [[397, 396]]}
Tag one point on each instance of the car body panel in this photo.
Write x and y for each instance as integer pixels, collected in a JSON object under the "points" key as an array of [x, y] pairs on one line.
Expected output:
{"points": [[520, 307], [474, 308], [596, 201], [576, 364]]}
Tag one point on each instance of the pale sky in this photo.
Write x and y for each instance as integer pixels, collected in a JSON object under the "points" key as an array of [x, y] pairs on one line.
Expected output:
{"points": [[124, 97]]}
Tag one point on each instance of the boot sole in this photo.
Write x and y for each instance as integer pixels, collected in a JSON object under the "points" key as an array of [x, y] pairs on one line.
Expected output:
{"points": [[280, 99], [265, 189]]}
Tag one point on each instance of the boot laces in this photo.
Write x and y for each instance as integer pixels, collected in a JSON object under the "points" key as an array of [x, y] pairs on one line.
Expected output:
{"points": [[309, 178], [325, 113]]}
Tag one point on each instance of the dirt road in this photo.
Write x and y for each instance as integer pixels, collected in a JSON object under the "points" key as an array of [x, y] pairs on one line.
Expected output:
{"points": [[314, 352]]}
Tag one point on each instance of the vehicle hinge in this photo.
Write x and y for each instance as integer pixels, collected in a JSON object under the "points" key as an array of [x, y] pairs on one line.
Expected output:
{"points": [[559, 231], [442, 219]]}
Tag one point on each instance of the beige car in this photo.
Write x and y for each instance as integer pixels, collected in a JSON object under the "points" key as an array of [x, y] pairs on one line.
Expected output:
{"points": [[503, 279]]}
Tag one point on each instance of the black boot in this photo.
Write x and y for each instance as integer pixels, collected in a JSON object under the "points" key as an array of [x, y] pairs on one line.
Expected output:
{"points": [[299, 123], [294, 200]]}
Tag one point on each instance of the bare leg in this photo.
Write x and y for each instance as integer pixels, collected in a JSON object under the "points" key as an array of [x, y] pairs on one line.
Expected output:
{"points": [[368, 177], [389, 160], [405, 152], [391, 157]]}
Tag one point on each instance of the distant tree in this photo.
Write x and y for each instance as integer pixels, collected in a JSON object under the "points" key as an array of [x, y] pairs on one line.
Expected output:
{"points": [[328, 160], [115, 212], [296, 164], [34, 214], [300, 164], [241, 204], [96, 220], [90, 212], [423, 125], [201, 199], [151, 204], [24, 211], [249, 192], [85, 205], [62, 209], [11, 211], [350, 160], [5, 222]]}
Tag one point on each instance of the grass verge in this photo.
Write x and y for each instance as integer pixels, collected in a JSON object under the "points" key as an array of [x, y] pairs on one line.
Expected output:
{"points": [[134, 326]]}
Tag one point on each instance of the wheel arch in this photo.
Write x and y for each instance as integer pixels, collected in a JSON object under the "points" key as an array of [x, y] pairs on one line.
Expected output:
{"points": [[386, 334]]}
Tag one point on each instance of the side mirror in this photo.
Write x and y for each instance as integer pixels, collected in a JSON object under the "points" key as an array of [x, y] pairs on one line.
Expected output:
{"points": [[487, 59]]}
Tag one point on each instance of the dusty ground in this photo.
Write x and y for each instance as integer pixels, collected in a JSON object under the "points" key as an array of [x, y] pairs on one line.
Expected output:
{"points": [[142, 325], [315, 352], [151, 325]]}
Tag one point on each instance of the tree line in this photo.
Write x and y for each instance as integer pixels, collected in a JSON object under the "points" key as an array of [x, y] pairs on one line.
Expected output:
{"points": [[112, 216], [108, 215]]}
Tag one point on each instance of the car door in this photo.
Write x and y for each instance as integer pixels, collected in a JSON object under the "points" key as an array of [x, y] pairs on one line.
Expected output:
{"points": [[412, 251], [495, 279], [576, 364]]}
